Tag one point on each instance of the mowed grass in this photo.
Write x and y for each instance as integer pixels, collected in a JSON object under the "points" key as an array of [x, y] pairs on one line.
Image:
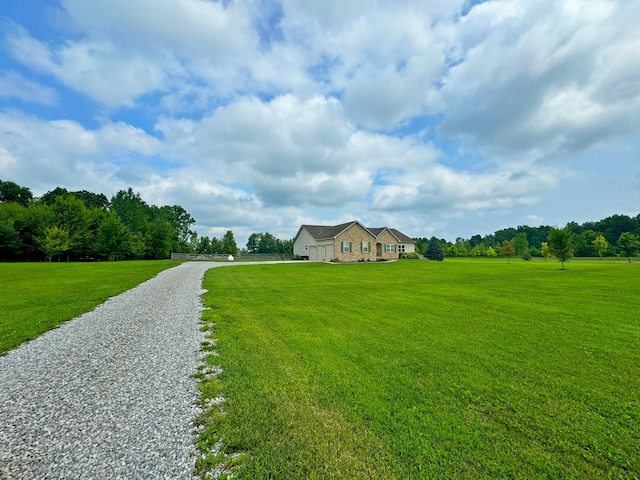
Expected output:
{"points": [[36, 297], [459, 369]]}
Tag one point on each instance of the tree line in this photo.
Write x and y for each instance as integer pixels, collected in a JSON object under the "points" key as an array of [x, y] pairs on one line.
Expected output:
{"points": [[617, 235], [257, 243], [82, 225]]}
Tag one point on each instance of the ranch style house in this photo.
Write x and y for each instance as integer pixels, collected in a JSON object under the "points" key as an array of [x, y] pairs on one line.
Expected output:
{"points": [[350, 242]]}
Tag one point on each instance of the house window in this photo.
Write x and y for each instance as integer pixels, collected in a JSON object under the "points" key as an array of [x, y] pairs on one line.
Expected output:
{"points": [[390, 248], [364, 246], [346, 247], [400, 248]]}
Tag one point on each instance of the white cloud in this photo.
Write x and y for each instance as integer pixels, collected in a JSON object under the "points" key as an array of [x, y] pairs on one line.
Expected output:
{"points": [[14, 85], [190, 28], [64, 153], [387, 59], [531, 76], [269, 117], [291, 151], [129, 49], [28, 50]]}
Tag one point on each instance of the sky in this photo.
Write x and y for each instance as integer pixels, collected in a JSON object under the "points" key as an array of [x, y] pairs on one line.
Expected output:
{"points": [[448, 118]]}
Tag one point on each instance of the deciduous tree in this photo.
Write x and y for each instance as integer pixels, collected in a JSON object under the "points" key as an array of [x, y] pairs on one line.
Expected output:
{"points": [[520, 243], [601, 245], [12, 192], [9, 239], [71, 215], [545, 251], [113, 237], [507, 249], [628, 244], [253, 242], [54, 241], [561, 244]]}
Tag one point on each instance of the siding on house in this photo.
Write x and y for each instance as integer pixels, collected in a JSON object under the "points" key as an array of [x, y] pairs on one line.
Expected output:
{"points": [[301, 245]]}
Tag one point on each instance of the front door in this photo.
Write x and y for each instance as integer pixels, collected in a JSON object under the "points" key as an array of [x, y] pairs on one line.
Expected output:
{"points": [[378, 249]]}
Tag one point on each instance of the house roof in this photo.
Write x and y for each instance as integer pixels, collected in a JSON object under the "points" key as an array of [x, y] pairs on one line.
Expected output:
{"points": [[401, 237], [321, 232]]}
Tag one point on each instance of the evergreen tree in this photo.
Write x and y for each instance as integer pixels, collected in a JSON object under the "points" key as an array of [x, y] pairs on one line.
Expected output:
{"points": [[229, 244], [434, 250]]}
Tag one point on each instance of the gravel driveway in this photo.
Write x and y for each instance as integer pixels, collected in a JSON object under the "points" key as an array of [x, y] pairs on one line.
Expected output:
{"points": [[109, 394]]}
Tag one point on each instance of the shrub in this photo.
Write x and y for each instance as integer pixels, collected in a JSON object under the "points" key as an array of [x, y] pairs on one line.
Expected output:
{"points": [[526, 255], [434, 250], [410, 256]]}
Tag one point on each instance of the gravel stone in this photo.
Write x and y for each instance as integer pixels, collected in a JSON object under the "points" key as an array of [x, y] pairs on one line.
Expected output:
{"points": [[109, 395]]}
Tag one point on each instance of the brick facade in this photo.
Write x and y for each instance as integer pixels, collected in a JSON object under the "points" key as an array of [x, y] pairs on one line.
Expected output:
{"points": [[385, 238], [356, 235]]}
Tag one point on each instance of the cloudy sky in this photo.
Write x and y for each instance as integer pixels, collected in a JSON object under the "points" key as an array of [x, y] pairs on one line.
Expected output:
{"points": [[447, 118]]}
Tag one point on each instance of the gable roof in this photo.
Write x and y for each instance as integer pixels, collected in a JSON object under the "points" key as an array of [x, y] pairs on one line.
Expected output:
{"points": [[401, 237], [324, 232]]}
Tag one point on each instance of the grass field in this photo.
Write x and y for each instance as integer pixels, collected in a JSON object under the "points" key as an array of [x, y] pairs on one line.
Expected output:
{"points": [[457, 369], [36, 297]]}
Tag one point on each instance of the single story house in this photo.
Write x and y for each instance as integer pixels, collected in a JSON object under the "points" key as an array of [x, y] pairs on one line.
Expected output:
{"points": [[350, 242]]}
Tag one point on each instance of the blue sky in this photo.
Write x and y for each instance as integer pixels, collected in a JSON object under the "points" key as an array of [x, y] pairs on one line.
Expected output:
{"points": [[448, 118]]}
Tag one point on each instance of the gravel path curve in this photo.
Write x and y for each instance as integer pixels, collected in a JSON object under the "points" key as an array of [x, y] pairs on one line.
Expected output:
{"points": [[109, 394]]}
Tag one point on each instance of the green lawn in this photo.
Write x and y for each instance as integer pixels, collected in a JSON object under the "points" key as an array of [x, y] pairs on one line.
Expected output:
{"points": [[36, 297], [417, 369]]}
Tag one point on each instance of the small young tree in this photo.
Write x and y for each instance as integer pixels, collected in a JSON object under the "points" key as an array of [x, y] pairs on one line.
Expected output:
{"points": [[601, 244], [507, 249], [545, 251], [491, 253], [434, 250], [628, 244], [561, 244]]}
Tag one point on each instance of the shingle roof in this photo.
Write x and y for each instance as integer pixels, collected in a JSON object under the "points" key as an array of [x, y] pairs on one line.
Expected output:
{"points": [[327, 231], [401, 236], [376, 230], [331, 231]]}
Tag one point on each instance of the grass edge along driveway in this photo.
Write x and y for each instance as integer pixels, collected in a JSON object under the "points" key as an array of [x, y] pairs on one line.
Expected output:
{"points": [[458, 369], [36, 297]]}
